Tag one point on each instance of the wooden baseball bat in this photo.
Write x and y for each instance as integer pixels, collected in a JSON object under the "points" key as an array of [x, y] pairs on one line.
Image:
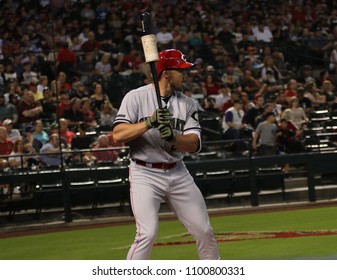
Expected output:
{"points": [[149, 42]]}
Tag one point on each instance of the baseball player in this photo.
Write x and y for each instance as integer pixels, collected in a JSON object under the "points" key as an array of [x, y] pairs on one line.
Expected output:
{"points": [[157, 139]]}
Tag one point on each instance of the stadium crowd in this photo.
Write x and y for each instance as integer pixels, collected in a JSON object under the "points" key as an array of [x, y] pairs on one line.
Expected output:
{"points": [[261, 66]]}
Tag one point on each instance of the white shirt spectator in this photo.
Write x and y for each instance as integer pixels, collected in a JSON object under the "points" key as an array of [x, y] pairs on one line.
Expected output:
{"points": [[164, 37], [263, 34]]}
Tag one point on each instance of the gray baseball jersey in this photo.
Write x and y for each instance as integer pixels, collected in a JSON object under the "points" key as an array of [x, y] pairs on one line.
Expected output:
{"points": [[138, 105]]}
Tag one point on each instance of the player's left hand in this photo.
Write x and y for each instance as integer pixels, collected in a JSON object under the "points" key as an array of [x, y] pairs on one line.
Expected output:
{"points": [[166, 133]]}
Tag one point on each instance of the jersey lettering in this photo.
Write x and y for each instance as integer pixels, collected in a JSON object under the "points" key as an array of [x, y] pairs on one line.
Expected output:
{"points": [[178, 124]]}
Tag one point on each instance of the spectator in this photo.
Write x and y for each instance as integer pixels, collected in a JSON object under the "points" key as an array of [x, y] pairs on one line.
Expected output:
{"points": [[66, 60], [103, 35], [54, 129], [17, 158], [28, 109], [108, 114], [211, 86], [43, 83], [265, 136], [289, 138], [75, 45], [2, 77], [30, 139], [252, 60], [50, 152], [86, 68], [269, 66], [103, 67], [233, 76], [39, 133], [333, 59], [312, 93], [98, 98], [79, 90], [328, 90], [10, 75], [60, 84], [106, 155], [295, 113], [38, 95], [6, 147], [267, 108], [263, 34], [273, 87], [227, 39], [164, 38], [82, 140], [73, 115], [87, 113], [29, 76], [252, 113], [14, 89], [234, 96], [91, 45], [87, 13], [250, 84], [318, 45], [306, 75], [291, 90], [12, 134], [49, 106], [64, 103], [234, 128], [7, 111], [66, 133], [22, 155]]}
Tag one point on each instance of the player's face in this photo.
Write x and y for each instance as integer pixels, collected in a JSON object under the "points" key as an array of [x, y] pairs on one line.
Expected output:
{"points": [[176, 77]]}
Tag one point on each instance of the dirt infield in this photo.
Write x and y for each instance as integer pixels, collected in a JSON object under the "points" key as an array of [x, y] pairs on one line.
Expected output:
{"points": [[242, 236]]}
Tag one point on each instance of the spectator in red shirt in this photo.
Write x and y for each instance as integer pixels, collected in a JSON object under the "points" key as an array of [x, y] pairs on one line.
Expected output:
{"points": [[66, 59], [6, 147], [66, 134], [104, 156], [60, 84], [64, 103], [91, 45], [88, 114], [291, 90], [211, 85]]}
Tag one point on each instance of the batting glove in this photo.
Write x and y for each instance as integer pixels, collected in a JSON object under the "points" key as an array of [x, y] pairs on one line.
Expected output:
{"points": [[159, 117], [166, 133]]}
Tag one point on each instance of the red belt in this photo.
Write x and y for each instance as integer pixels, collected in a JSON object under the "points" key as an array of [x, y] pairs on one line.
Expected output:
{"points": [[159, 165]]}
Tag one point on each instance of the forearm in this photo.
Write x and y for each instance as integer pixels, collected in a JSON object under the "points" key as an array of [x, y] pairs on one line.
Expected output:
{"points": [[32, 112], [125, 132], [187, 143]]}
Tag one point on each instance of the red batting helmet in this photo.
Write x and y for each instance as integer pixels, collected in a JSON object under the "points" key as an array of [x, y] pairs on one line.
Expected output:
{"points": [[172, 59]]}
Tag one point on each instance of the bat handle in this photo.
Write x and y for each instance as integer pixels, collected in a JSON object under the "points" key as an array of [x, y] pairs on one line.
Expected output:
{"points": [[156, 83]]}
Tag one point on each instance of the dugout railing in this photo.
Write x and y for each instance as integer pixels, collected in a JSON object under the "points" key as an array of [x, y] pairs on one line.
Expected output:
{"points": [[99, 184]]}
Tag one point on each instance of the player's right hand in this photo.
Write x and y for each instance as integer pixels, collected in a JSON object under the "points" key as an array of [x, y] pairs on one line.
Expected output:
{"points": [[159, 117]]}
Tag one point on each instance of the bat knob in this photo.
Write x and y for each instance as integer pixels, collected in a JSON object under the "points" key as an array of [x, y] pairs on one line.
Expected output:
{"points": [[146, 23]]}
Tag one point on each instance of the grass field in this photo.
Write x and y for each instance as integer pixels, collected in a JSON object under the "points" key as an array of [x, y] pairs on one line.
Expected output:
{"points": [[241, 237]]}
